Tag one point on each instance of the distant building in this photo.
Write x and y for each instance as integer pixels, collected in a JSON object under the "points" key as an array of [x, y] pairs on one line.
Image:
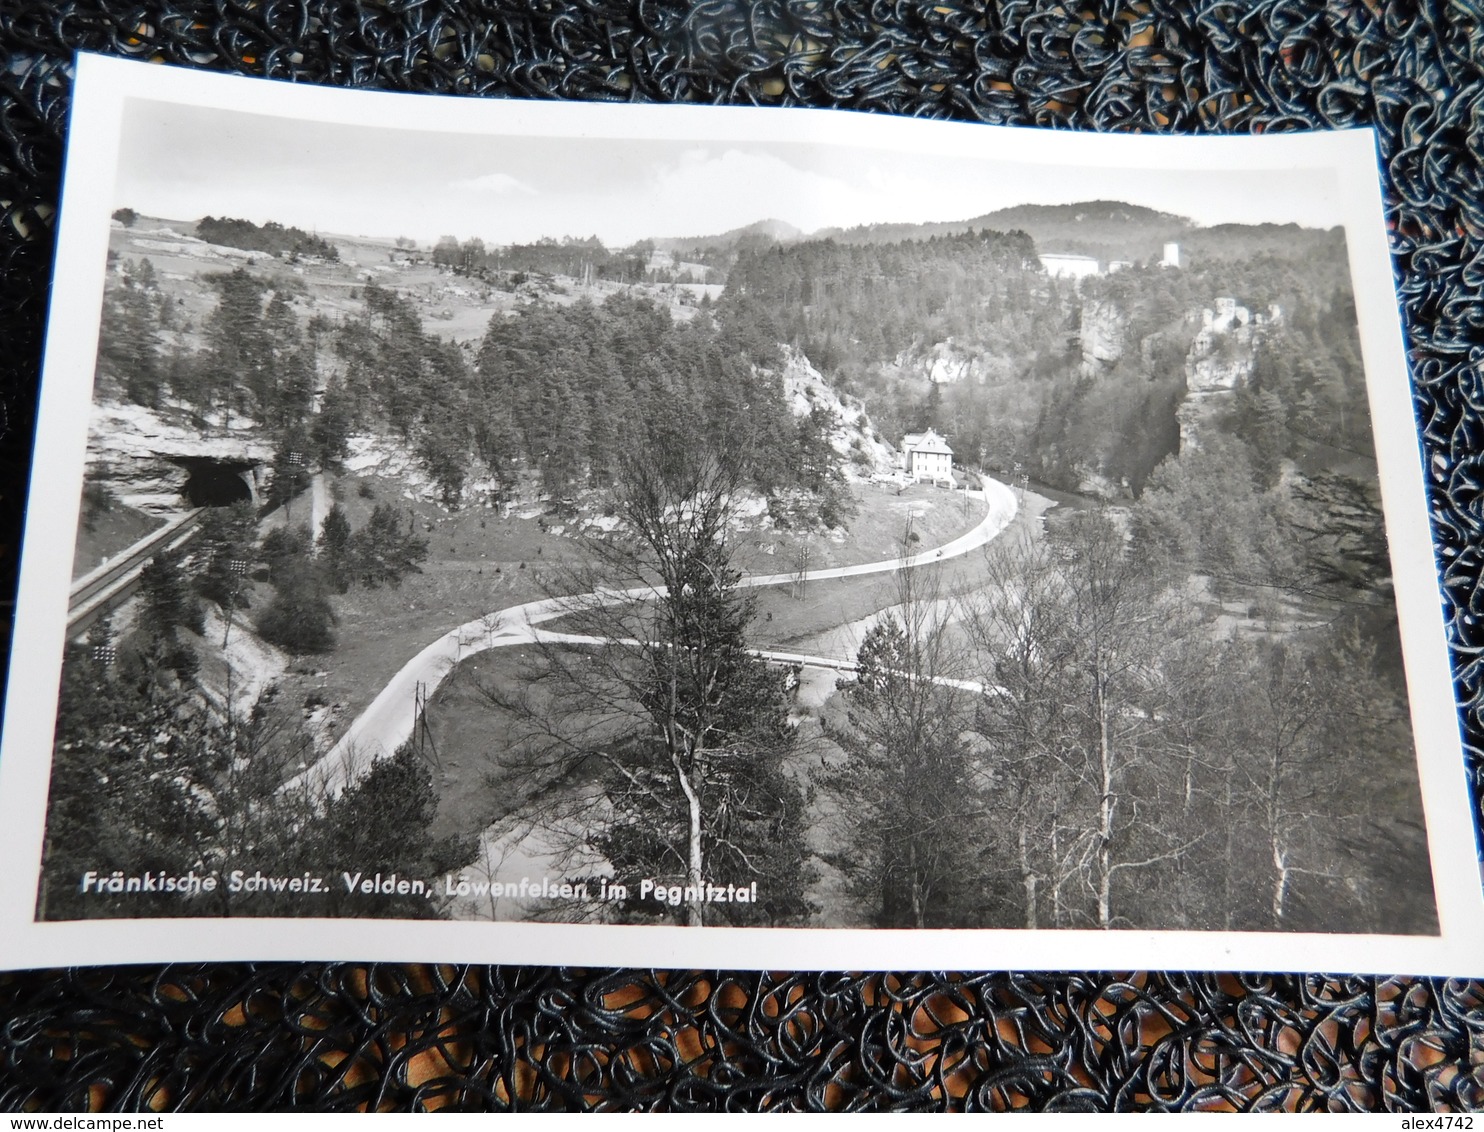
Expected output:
{"points": [[1069, 266], [1229, 315], [1118, 265], [926, 456], [1172, 256]]}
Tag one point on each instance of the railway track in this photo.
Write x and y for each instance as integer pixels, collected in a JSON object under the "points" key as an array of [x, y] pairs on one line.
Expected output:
{"points": [[95, 593]]}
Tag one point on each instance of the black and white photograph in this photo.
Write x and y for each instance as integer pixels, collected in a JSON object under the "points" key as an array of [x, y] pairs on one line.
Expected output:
{"points": [[761, 532]]}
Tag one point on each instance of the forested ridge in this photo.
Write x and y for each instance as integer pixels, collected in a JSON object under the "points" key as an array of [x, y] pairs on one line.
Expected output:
{"points": [[1107, 231], [558, 391], [871, 316]]}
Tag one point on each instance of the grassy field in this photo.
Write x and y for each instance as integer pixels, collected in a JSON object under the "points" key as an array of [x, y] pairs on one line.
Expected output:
{"points": [[104, 534], [474, 749], [877, 531], [808, 622], [380, 630], [479, 562], [475, 770]]}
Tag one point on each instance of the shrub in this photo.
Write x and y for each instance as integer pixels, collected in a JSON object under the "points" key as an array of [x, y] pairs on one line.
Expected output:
{"points": [[300, 617]]}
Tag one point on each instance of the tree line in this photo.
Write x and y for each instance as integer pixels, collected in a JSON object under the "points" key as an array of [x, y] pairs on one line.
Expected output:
{"points": [[510, 264], [1125, 764], [559, 393], [272, 238]]}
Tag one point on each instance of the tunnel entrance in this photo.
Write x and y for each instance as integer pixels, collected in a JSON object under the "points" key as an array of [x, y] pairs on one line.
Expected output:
{"points": [[216, 483]]}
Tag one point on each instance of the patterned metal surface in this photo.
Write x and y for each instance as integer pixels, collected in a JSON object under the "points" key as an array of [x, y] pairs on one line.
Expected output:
{"points": [[343, 1036]]}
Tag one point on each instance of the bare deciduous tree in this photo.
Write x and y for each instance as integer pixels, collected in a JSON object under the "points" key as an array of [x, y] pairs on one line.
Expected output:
{"points": [[1074, 637], [647, 683]]}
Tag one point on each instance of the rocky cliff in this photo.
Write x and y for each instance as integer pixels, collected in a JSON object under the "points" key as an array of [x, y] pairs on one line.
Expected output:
{"points": [[145, 458], [1104, 334], [950, 361], [1220, 362], [853, 437]]}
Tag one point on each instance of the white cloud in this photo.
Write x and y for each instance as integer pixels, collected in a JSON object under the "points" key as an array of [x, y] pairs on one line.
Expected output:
{"points": [[498, 184]]}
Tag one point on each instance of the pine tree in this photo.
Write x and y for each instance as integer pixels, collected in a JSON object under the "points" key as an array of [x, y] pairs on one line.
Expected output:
{"points": [[169, 603], [329, 429], [382, 822], [691, 729], [223, 548], [299, 617], [129, 339], [337, 550], [383, 552], [238, 346], [290, 473], [907, 774]]}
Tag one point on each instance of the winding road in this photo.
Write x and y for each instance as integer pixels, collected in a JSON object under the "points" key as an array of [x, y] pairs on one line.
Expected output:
{"points": [[390, 718]]}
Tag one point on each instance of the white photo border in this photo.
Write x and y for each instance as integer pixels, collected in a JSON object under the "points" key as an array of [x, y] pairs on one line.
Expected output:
{"points": [[104, 85]]}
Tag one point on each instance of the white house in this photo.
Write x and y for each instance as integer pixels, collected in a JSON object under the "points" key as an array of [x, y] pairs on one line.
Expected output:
{"points": [[926, 456], [1069, 266]]}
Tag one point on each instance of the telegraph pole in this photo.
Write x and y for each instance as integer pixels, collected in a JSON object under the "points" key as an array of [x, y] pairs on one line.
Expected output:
{"points": [[237, 567], [801, 579]]}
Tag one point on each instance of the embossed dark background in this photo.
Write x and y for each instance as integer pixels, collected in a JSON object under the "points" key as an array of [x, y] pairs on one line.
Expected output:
{"points": [[343, 1036]]}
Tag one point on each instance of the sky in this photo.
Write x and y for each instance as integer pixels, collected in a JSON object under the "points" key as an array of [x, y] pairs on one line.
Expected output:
{"points": [[183, 162]]}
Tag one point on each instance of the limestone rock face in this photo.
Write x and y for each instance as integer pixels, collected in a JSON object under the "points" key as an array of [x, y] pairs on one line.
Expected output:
{"points": [[1194, 413], [133, 451], [1104, 333], [852, 437], [1220, 362], [1208, 375], [1224, 363], [948, 362]]}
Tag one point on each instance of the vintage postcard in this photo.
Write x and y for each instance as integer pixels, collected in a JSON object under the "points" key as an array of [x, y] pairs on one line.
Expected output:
{"points": [[668, 536]]}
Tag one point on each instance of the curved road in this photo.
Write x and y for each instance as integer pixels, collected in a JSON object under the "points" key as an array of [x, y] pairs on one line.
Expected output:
{"points": [[389, 719]]}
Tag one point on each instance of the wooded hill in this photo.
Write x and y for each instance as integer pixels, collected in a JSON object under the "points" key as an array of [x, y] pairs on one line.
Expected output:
{"points": [[271, 238], [873, 315], [558, 391], [1106, 230], [780, 231]]}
